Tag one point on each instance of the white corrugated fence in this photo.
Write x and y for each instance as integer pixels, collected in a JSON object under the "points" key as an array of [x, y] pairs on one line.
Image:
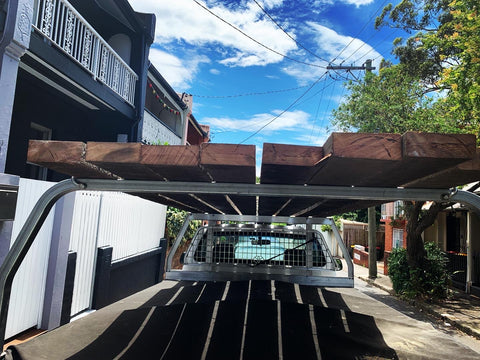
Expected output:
{"points": [[129, 224]]}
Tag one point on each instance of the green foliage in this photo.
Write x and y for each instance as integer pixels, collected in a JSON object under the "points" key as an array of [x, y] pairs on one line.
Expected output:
{"points": [[159, 142], [443, 53], [175, 220], [430, 282], [398, 269], [356, 215], [458, 42], [392, 101]]}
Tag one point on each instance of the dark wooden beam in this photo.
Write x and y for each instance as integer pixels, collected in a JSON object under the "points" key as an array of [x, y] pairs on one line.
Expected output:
{"points": [[66, 157], [123, 159], [357, 159]]}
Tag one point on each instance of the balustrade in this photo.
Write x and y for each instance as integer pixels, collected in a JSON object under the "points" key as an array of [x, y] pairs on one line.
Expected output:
{"points": [[59, 22]]}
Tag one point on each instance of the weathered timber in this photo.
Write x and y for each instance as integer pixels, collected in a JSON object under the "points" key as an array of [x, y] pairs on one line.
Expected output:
{"points": [[205, 163], [462, 174], [229, 162], [123, 159], [233, 164], [357, 159], [370, 160], [65, 157], [174, 162], [425, 154], [287, 164], [443, 147]]}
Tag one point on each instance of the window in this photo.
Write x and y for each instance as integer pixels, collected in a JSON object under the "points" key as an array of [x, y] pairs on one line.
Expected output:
{"points": [[398, 209], [397, 238], [384, 211]]}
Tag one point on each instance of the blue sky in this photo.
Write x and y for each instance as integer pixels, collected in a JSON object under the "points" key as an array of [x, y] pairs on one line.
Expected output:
{"points": [[262, 86]]}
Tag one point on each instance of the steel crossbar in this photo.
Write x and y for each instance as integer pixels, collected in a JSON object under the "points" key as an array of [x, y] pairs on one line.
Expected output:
{"points": [[39, 213]]}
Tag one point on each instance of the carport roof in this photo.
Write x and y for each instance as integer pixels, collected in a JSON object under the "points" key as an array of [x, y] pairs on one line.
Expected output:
{"points": [[412, 160]]}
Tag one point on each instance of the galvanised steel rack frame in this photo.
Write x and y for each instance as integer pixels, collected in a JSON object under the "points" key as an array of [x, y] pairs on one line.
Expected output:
{"points": [[307, 274], [34, 222]]}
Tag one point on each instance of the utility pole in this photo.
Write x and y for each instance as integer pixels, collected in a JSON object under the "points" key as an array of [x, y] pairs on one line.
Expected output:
{"points": [[372, 225], [372, 243], [367, 66]]}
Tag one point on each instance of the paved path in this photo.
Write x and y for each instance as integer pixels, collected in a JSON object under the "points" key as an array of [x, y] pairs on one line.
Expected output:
{"points": [[459, 310], [249, 320]]}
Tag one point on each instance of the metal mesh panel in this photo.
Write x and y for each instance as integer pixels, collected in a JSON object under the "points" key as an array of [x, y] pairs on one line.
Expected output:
{"points": [[260, 246]]}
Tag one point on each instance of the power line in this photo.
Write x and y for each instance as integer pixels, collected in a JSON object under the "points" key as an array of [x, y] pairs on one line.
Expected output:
{"points": [[249, 94], [284, 111], [320, 99], [378, 43], [286, 33], [361, 30], [256, 41]]}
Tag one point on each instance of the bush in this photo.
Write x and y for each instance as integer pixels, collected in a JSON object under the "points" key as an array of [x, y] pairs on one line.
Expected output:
{"points": [[431, 282], [436, 273], [398, 270], [175, 220]]}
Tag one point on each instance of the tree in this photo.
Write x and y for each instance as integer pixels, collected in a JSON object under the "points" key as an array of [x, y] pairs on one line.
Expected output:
{"points": [[458, 42], [443, 52], [435, 87], [393, 101]]}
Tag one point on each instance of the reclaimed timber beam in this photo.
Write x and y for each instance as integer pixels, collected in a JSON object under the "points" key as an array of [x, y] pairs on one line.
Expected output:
{"points": [[358, 159], [66, 157], [206, 163], [174, 162], [230, 163], [289, 164], [461, 174], [428, 153], [123, 159], [286, 164]]}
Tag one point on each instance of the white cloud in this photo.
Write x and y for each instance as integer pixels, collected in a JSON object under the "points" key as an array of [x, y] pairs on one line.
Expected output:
{"points": [[291, 120], [357, 3], [184, 20], [179, 73], [187, 25], [215, 71], [333, 46], [316, 139]]}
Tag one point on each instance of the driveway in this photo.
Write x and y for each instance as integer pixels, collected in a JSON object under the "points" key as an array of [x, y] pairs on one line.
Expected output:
{"points": [[251, 320]]}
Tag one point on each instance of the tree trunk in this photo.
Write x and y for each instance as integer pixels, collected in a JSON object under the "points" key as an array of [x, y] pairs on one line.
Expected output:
{"points": [[417, 222], [415, 247]]}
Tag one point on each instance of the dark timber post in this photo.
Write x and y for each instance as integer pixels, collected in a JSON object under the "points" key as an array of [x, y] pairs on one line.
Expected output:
{"points": [[372, 244]]}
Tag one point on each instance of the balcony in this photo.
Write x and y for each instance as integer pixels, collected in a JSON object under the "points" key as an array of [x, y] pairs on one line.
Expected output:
{"points": [[60, 23]]}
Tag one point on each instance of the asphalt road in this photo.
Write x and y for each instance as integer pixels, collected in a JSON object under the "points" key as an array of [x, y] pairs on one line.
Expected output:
{"points": [[252, 320]]}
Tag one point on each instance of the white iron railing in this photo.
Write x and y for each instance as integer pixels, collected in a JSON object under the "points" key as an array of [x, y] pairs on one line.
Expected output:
{"points": [[65, 27]]}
